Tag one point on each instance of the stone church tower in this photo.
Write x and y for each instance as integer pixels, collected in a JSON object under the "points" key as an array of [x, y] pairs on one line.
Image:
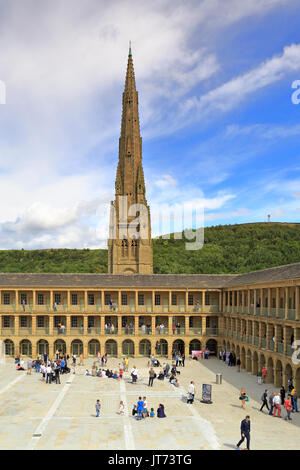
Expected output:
{"points": [[130, 244]]}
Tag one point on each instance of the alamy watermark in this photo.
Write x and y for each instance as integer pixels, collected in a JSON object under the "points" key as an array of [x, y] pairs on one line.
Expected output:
{"points": [[296, 353], [131, 221], [296, 94]]}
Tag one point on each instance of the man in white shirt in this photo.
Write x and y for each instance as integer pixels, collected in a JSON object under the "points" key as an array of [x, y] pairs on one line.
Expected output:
{"points": [[191, 391], [276, 403], [134, 374], [49, 374]]}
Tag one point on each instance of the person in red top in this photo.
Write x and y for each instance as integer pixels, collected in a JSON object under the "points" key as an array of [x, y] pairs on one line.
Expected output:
{"points": [[288, 407], [264, 374]]}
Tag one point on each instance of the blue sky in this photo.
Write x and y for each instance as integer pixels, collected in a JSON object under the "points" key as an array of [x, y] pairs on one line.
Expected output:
{"points": [[219, 127]]}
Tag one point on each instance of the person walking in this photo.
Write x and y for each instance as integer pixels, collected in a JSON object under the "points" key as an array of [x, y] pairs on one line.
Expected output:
{"points": [[48, 374], [264, 374], [276, 403], [191, 391], [264, 400], [288, 407], [243, 397], [134, 374], [271, 398], [151, 377], [238, 364], [295, 402], [56, 375], [245, 433], [98, 408]]}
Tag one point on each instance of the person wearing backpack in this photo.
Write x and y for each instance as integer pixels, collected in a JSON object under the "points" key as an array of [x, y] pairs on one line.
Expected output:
{"points": [[264, 399]]}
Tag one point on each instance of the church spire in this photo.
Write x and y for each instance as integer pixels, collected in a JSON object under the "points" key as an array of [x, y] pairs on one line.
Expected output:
{"points": [[130, 254]]}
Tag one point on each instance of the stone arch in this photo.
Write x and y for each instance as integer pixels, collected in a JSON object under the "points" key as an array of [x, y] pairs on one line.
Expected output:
{"points": [[288, 374], [212, 345], [60, 345], [270, 370], [255, 363], [128, 347], [145, 348], [278, 374], [111, 348], [42, 347], [25, 347], [238, 351], [195, 345], [161, 347], [77, 347], [9, 347], [249, 361], [178, 346], [93, 347]]}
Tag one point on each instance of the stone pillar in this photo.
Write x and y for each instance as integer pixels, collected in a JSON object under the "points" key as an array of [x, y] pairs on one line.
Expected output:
{"points": [[51, 322], [102, 323], [186, 301], [285, 339], [220, 302], [153, 325], [243, 301], [269, 302], [136, 325], [119, 301], [17, 325], [170, 349], [153, 300], [170, 324], [204, 325], [286, 303], [136, 300], [85, 300], [85, 349], [33, 301], [203, 301], [85, 325], [68, 325], [102, 301], [33, 325], [170, 301], [68, 301], [187, 325], [119, 348], [17, 300], [277, 302], [254, 301], [249, 302], [119, 320], [186, 349]]}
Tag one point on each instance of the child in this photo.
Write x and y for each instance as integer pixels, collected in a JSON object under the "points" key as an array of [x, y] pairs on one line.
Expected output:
{"points": [[97, 406], [152, 414], [121, 408]]}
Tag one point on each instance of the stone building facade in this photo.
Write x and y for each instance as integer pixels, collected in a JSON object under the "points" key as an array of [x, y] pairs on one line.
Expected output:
{"points": [[132, 312]]}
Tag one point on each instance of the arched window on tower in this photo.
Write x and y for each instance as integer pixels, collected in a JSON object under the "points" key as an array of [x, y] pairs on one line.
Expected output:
{"points": [[124, 247], [133, 247]]}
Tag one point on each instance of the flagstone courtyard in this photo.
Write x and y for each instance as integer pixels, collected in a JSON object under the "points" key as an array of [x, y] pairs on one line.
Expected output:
{"points": [[36, 415]]}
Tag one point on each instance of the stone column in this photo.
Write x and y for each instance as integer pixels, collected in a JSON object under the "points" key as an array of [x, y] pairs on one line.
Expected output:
{"points": [[277, 302], [153, 300], [17, 300], [286, 302], [153, 325], [16, 324], [187, 325], [254, 301], [51, 322], [269, 302], [136, 325], [285, 339], [85, 300], [68, 325], [136, 300], [203, 301], [220, 302], [33, 325], [249, 302], [102, 301], [34, 301], [186, 301], [102, 323], [119, 320], [204, 325], [68, 301], [170, 324], [119, 301], [85, 325], [243, 301]]}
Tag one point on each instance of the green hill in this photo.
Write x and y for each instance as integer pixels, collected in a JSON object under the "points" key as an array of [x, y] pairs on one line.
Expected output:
{"points": [[227, 249]]}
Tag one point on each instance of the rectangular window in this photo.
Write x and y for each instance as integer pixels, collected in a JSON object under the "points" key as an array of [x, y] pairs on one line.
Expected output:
{"points": [[24, 298], [107, 299], [91, 322], [141, 299], [207, 299], [74, 322], [57, 299], [6, 299], [157, 299], [124, 299], [23, 322], [57, 321], [6, 322], [74, 299], [41, 322], [190, 299], [281, 302], [91, 299], [174, 299], [40, 299]]}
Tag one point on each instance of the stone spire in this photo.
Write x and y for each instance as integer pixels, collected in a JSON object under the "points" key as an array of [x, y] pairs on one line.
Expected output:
{"points": [[127, 255]]}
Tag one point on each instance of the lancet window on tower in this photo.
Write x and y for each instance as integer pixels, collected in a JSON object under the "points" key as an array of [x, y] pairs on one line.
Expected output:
{"points": [[124, 247]]}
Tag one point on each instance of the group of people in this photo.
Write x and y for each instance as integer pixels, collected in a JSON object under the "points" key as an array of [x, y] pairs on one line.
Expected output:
{"points": [[140, 410], [274, 402]]}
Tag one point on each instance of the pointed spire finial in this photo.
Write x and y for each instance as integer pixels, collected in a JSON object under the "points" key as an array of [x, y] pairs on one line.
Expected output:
{"points": [[130, 53]]}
